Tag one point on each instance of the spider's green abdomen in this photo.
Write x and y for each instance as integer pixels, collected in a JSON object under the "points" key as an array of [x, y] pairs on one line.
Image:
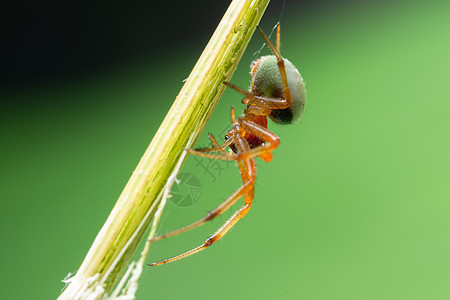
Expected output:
{"points": [[266, 82]]}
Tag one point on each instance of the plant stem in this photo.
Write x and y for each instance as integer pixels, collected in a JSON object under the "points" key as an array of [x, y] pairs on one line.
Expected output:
{"points": [[130, 218]]}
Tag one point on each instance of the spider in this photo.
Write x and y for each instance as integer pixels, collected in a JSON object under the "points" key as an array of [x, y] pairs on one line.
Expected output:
{"points": [[276, 91]]}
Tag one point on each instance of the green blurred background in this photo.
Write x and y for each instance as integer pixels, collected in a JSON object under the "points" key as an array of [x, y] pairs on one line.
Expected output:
{"points": [[354, 205]]}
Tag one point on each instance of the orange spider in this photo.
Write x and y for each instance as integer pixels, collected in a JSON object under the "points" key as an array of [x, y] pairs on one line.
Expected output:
{"points": [[277, 91]]}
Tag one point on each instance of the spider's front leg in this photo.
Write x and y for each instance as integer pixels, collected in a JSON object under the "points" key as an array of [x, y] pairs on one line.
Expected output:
{"points": [[216, 147]]}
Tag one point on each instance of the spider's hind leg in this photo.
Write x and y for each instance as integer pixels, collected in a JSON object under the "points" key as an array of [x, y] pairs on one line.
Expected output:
{"points": [[247, 169]]}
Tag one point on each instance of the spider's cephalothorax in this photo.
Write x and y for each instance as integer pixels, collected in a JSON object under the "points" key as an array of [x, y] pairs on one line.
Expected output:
{"points": [[276, 91]]}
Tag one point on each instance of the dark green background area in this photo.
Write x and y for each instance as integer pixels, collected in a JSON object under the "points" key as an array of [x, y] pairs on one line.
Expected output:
{"points": [[354, 205]]}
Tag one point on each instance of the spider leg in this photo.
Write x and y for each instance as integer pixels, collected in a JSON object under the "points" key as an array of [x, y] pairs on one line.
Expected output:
{"points": [[272, 103], [281, 67], [216, 144], [233, 117], [215, 148], [272, 140], [212, 156], [247, 169], [261, 110], [278, 37], [217, 211]]}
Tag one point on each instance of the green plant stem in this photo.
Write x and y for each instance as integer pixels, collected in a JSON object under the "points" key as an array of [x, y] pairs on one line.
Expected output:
{"points": [[128, 221]]}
